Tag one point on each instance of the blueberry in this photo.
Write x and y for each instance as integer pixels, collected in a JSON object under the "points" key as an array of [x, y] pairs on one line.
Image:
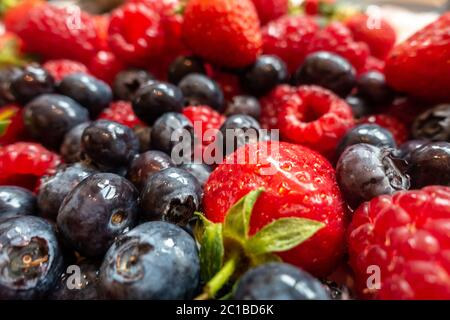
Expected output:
{"points": [[85, 288], [7, 76], [154, 261], [365, 171], [32, 82], [145, 165], [71, 146], [50, 116], [199, 170], [16, 201], [174, 130], [90, 92], [53, 189], [367, 133], [198, 89], [127, 83], [408, 147], [327, 70], [338, 291], [184, 65], [433, 124], [430, 165], [244, 105], [143, 133], [96, 211], [153, 100], [171, 195], [279, 281], [109, 144], [236, 131], [359, 107], [267, 72], [30, 258], [373, 88]]}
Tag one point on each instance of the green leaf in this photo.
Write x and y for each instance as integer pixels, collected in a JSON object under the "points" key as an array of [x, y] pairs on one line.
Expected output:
{"points": [[237, 220], [3, 126], [211, 250], [264, 258], [282, 235]]}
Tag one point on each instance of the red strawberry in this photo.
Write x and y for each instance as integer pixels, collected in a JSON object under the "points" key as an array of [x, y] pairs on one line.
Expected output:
{"points": [[63, 67], [298, 183], [315, 117], [23, 164], [59, 33], [395, 126], [269, 10], [121, 112], [15, 128], [270, 103], [405, 238], [419, 66], [288, 38], [225, 32], [379, 35], [105, 66], [15, 14], [337, 38]]}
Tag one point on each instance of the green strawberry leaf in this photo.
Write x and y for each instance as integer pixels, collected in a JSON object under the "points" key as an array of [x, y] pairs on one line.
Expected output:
{"points": [[4, 126], [211, 250], [282, 235], [237, 220]]}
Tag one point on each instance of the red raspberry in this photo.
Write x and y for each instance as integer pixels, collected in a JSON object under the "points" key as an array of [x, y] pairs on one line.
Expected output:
{"points": [[288, 38], [395, 126], [121, 112], [407, 237], [23, 164], [59, 33], [224, 32], [270, 103], [372, 64], [63, 67], [269, 10], [420, 65], [105, 66], [302, 184], [135, 43], [208, 119], [338, 39], [315, 117], [379, 35], [16, 129]]}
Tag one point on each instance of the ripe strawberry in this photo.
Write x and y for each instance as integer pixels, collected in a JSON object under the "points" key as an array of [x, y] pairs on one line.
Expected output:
{"points": [[23, 164], [14, 130], [208, 119], [59, 33], [269, 10], [297, 182], [105, 66], [395, 126], [288, 38], [224, 32], [337, 38], [121, 112], [419, 66], [379, 35], [270, 103], [63, 67], [17, 12], [135, 43], [315, 117], [406, 236]]}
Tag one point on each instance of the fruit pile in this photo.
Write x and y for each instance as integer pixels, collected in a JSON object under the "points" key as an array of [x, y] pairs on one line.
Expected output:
{"points": [[115, 157]]}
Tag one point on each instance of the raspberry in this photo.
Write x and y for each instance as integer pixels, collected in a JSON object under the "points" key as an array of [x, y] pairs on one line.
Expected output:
{"points": [[395, 126], [288, 38], [23, 164], [208, 118], [338, 39], [316, 118], [407, 237], [105, 66], [121, 112], [270, 103], [302, 185], [63, 67], [16, 129]]}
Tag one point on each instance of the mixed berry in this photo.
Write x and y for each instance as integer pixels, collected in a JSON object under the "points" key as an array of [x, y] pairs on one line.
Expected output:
{"points": [[222, 149]]}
